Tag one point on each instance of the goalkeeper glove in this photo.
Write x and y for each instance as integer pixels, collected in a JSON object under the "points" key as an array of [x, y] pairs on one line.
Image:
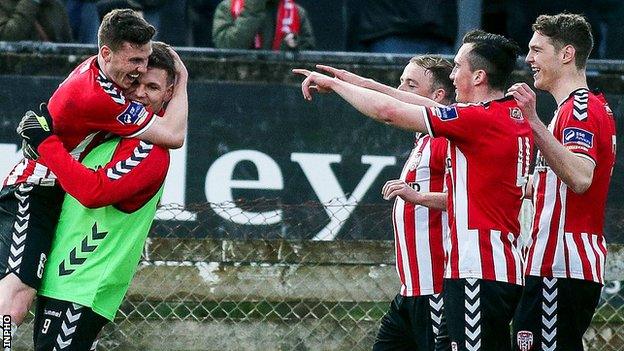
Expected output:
{"points": [[34, 129]]}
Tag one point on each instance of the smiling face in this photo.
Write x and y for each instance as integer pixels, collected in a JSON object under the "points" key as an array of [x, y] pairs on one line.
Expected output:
{"points": [[151, 89], [417, 80], [462, 75], [545, 61], [124, 65]]}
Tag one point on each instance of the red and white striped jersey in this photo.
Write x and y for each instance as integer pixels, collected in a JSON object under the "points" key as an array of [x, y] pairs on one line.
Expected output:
{"points": [[419, 232], [85, 103], [490, 146], [567, 236]]}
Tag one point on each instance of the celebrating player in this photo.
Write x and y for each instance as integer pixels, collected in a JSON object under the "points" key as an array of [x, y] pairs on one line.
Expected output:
{"points": [[415, 318], [414, 321], [90, 100], [490, 144], [103, 224], [566, 260]]}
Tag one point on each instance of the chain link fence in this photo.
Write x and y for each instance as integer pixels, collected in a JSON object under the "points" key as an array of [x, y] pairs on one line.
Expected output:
{"points": [[264, 275]]}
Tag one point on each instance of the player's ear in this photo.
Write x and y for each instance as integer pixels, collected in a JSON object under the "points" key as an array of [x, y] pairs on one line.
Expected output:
{"points": [[568, 53], [106, 52], [439, 95], [169, 93], [478, 77]]}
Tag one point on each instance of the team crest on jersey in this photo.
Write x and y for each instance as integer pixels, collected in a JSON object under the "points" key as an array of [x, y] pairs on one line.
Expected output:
{"points": [[515, 113], [525, 340], [578, 136], [135, 113], [446, 113]]}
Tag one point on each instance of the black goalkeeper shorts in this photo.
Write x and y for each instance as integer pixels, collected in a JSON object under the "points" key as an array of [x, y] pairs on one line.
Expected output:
{"points": [[28, 218]]}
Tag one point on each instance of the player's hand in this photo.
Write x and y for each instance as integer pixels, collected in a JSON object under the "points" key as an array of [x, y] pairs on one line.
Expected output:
{"points": [[180, 69], [34, 129], [525, 97], [344, 75], [397, 187], [314, 81]]}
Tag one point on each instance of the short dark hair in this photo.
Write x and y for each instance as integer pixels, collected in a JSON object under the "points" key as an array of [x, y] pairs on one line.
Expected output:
{"points": [[162, 59], [440, 69], [494, 54], [568, 29], [124, 25]]}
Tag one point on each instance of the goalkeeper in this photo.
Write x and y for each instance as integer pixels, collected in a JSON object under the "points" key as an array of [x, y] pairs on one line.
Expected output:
{"points": [[103, 224]]}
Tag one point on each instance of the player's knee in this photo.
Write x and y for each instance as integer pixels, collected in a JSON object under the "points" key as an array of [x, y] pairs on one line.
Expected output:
{"points": [[17, 301]]}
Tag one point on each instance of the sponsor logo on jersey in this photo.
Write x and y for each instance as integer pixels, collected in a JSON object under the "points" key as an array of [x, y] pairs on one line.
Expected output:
{"points": [[525, 340], [540, 163], [47, 312], [578, 136], [453, 346], [515, 113], [135, 113], [446, 113]]}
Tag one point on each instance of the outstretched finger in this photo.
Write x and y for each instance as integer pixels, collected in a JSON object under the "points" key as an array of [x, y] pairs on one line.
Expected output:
{"points": [[328, 69], [301, 71]]}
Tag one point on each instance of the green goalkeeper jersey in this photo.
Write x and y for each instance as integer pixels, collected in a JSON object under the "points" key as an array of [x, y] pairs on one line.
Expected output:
{"points": [[95, 251]]}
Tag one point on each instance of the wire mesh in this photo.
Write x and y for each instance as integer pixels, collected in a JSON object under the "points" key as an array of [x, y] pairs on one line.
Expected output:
{"points": [[232, 277]]}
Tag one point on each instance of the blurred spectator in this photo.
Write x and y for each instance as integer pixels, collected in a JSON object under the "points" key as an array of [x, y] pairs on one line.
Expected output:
{"points": [[262, 24], [106, 6], [173, 22], [168, 16], [201, 14], [83, 19], [39, 20], [406, 26], [613, 13]]}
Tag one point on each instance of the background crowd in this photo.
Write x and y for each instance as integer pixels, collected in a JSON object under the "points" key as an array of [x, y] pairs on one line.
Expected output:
{"points": [[387, 26]]}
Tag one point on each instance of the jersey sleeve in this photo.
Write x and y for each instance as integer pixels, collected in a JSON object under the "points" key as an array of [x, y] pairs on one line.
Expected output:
{"points": [[579, 133], [456, 122], [136, 171]]}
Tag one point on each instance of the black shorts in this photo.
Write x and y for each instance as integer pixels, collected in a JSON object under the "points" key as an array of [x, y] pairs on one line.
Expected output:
{"points": [[413, 323], [554, 313], [28, 217], [63, 325], [478, 313]]}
